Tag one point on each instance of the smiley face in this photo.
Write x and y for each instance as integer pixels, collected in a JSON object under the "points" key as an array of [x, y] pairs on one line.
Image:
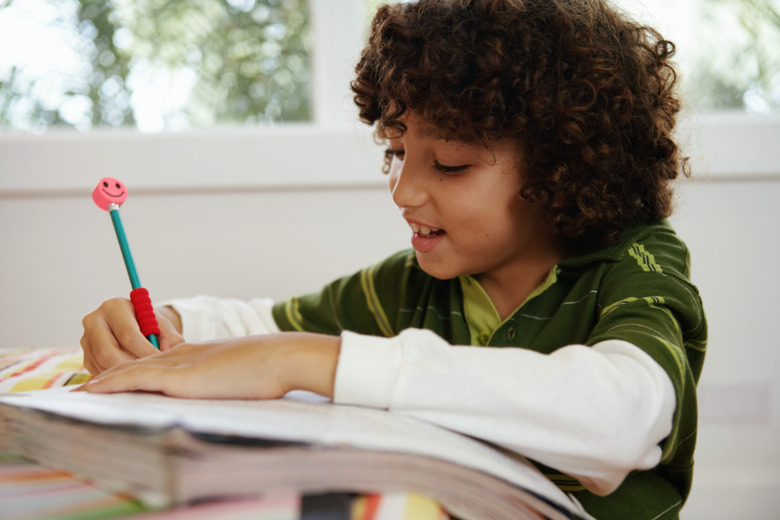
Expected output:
{"points": [[109, 191]]}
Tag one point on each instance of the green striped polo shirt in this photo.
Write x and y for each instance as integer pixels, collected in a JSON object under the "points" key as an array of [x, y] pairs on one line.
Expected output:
{"points": [[637, 290]]}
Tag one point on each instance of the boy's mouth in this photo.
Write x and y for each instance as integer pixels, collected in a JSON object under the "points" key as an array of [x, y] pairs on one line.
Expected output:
{"points": [[425, 231]]}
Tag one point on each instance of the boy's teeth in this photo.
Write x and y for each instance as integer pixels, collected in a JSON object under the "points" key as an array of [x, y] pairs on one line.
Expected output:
{"points": [[423, 230]]}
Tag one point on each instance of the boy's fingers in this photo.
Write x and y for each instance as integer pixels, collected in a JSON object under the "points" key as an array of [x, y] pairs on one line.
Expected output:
{"points": [[130, 339], [112, 336], [101, 350], [156, 374], [169, 336], [125, 379], [124, 327], [103, 358]]}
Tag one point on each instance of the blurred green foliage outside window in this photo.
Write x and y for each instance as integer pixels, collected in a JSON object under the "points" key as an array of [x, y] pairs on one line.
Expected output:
{"points": [[153, 64], [167, 65], [732, 56]]}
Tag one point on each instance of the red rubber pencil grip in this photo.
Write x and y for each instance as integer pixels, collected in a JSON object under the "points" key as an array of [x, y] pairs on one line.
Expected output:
{"points": [[144, 311]]}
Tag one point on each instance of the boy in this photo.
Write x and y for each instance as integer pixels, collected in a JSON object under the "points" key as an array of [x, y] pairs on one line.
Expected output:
{"points": [[546, 305]]}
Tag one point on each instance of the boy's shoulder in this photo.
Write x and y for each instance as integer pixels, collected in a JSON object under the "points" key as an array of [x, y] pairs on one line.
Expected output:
{"points": [[648, 248]]}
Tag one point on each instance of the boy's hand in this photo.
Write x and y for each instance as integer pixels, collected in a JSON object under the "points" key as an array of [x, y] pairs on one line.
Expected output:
{"points": [[251, 367], [112, 335]]}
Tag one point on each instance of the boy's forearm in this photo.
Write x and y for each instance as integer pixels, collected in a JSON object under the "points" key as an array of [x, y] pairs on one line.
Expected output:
{"points": [[313, 360], [251, 367]]}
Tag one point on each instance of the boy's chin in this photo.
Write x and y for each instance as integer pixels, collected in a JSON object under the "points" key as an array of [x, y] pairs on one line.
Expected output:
{"points": [[436, 269]]}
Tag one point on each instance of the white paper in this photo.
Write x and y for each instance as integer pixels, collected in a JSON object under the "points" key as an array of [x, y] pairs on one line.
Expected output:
{"points": [[299, 417]]}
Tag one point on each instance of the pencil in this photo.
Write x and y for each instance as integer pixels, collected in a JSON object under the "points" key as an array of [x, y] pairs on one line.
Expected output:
{"points": [[109, 194]]}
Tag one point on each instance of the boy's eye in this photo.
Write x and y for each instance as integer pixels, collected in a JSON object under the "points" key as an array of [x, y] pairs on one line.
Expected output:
{"points": [[390, 153], [451, 170]]}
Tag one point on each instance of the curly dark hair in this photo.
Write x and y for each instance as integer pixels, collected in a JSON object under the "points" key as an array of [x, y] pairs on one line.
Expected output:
{"points": [[587, 92]]}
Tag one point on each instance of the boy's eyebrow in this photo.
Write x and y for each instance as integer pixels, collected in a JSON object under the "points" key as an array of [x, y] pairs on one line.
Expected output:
{"points": [[432, 132], [425, 131]]}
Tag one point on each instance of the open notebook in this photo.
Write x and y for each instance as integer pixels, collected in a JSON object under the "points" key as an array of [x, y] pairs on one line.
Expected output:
{"points": [[29, 491], [170, 451]]}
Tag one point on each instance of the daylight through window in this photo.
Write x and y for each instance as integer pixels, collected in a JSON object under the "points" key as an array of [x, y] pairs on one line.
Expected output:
{"points": [[169, 65], [154, 64]]}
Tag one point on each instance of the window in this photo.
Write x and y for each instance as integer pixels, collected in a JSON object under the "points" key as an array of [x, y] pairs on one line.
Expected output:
{"points": [[167, 65], [254, 93], [728, 50], [153, 64]]}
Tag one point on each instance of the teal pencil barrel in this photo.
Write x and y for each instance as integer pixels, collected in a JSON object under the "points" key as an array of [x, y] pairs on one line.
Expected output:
{"points": [[125, 247], [139, 296]]}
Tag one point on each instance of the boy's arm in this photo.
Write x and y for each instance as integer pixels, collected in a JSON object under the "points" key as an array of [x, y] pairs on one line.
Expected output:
{"points": [[595, 413], [252, 367]]}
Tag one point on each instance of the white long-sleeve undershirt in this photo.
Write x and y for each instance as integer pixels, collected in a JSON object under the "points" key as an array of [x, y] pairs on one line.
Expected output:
{"points": [[595, 413], [205, 318]]}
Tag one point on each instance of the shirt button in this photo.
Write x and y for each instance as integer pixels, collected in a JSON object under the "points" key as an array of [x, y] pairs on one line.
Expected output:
{"points": [[484, 338]]}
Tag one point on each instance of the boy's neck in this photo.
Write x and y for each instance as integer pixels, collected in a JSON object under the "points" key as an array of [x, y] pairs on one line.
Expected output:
{"points": [[509, 290]]}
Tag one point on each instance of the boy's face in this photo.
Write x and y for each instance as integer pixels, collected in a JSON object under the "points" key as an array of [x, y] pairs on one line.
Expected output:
{"points": [[462, 202]]}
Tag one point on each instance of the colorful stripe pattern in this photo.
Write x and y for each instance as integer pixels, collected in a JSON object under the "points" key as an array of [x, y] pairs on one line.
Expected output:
{"points": [[32, 492], [397, 506], [27, 369]]}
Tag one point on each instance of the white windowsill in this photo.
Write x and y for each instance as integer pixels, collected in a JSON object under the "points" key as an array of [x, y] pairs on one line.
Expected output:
{"points": [[722, 147]]}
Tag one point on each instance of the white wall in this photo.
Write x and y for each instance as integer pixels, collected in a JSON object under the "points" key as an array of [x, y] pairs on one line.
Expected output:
{"points": [[265, 213], [278, 213], [731, 228]]}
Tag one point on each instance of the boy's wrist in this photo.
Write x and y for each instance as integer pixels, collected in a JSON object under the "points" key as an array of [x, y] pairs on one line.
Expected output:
{"points": [[312, 363]]}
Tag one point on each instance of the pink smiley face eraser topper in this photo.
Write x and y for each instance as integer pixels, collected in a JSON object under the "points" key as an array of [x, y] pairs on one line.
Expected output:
{"points": [[109, 191]]}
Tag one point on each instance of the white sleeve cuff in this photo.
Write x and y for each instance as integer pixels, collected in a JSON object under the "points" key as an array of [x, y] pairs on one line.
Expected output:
{"points": [[367, 370], [205, 318]]}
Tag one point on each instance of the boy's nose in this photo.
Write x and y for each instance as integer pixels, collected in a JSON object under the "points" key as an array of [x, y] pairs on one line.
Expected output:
{"points": [[406, 187]]}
